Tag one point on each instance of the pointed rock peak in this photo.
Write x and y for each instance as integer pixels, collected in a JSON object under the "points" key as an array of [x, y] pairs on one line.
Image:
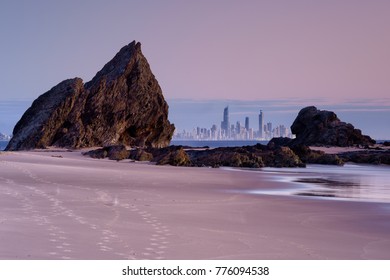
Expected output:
{"points": [[122, 104], [119, 64]]}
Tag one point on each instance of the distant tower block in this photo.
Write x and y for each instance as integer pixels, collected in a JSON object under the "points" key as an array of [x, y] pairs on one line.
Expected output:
{"points": [[225, 125], [247, 123], [261, 124]]}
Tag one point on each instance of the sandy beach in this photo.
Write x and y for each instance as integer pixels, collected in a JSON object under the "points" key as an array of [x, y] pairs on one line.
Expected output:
{"points": [[62, 205]]}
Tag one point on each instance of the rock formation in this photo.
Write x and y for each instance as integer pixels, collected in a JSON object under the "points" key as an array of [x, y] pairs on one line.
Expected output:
{"points": [[367, 156], [314, 127], [122, 104], [41, 123], [249, 156]]}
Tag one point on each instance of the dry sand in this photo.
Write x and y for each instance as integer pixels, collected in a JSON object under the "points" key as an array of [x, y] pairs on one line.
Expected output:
{"points": [[61, 205]]}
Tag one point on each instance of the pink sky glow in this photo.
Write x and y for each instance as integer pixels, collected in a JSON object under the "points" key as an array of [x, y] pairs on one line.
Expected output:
{"points": [[248, 50], [278, 56]]}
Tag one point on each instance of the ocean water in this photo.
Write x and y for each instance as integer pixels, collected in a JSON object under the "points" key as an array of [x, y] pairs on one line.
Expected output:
{"points": [[351, 182], [216, 144], [3, 144]]}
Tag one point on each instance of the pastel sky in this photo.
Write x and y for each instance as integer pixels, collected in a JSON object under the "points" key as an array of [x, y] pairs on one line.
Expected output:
{"points": [[333, 51]]}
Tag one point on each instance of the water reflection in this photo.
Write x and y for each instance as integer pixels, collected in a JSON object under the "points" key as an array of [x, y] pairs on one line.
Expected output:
{"points": [[332, 187], [349, 182]]}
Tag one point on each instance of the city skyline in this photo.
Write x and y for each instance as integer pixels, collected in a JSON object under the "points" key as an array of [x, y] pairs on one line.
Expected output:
{"points": [[372, 116], [229, 131]]}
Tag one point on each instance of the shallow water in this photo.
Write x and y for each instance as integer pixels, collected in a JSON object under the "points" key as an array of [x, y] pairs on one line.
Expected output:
{"points": [[349, 182]]}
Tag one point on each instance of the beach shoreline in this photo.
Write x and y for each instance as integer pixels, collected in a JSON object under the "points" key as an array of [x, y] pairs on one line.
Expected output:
{"points": [[58, 204]]}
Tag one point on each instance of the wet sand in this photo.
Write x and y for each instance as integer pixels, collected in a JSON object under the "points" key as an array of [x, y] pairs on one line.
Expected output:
{"points": [[339, 150], [61, 205]]}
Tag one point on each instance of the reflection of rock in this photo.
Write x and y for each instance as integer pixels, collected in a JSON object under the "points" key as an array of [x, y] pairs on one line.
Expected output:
{"points": [[122, 104], [314, 127]]}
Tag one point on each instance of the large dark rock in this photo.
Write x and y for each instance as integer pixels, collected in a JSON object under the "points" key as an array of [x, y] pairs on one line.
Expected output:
{"points": [[248, 156], [44, 120], [314, 127], [122, 104]]}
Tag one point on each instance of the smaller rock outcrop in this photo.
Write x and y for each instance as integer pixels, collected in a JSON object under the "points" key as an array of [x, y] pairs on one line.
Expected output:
{"points": [[314, 127], [140, 155], [98, 153], [176, 157], [248, 156], [308, 155], [375, 157], [115, 152]]}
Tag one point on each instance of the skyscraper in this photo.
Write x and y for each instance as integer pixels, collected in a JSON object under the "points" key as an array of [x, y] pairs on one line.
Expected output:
{"points": [[225, 125], [261, 124], [247, 123], [238, 128], [269, 127]]}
